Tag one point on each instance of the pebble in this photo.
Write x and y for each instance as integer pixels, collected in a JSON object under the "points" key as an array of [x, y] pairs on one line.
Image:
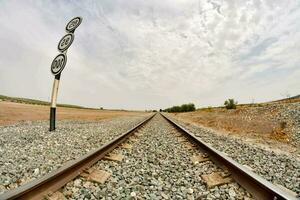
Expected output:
{"points": [[190, 191], [164, 195], [290, 113], [29, 150], [133, 194], [161, 165], [232, 193], [277, 168], [36, 171], [68, 194], [77, 183]]}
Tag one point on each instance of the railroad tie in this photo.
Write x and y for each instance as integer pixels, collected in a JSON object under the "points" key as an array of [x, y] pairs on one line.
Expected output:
{"points": [[182, 139], [215, 179], [95, 175], [56, 196], [190, 146], [137, 135], [178, 135], [199, 159], [126, 146], [133, 139], [114, 157]]}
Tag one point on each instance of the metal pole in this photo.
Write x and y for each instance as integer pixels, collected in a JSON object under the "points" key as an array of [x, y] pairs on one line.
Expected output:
{"points": [[53, 102], [59, 63]]}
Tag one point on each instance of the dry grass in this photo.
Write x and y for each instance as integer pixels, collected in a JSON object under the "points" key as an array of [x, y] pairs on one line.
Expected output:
{"points": [[11, 113]]}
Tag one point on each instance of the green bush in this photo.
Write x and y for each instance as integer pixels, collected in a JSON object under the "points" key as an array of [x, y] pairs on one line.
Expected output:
{"points": [[230, 104], [183, 108]]}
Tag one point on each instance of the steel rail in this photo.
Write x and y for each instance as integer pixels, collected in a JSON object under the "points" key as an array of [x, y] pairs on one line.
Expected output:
{"points": [[256, 185], [40, 188]]}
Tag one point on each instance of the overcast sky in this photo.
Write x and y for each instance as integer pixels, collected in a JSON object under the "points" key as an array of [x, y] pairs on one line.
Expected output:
{"points": [[140, 54]]}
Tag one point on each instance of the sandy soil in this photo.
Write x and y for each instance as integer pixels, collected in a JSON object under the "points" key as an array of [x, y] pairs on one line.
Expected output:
{"points": [[11, 113], [256, 125]]}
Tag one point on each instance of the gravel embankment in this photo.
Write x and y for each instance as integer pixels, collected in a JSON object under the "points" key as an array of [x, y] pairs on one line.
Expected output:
{"points": [[277, 168], [157, 167], [291, 114], [29, 150]]}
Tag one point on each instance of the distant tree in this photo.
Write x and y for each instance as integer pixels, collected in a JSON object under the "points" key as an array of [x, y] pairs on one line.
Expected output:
{"points": [[101, 108], [230, 104], [183, 108]]}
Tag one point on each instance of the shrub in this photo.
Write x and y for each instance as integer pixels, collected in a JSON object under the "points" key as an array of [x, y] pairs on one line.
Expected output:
{"points": [[209, 109], [183, 108], [230, 104]]}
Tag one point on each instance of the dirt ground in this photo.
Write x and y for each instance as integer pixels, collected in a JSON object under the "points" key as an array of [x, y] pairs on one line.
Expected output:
{"points": [[257, 125], [11, 113]]}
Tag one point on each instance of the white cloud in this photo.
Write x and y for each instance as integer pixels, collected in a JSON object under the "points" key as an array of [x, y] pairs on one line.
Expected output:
{"points": [[152, 54]]}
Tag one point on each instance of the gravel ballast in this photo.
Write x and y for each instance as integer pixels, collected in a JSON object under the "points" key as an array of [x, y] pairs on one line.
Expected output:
{"points": [[276, 168], [29, 151], [157, 167], [291, 114]]}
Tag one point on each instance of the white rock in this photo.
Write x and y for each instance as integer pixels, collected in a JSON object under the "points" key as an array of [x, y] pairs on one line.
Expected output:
{"points": [[36, 171], [87, 184], [164, 195], [232, 193], [133, 194], [190, 191], [77, 183]]}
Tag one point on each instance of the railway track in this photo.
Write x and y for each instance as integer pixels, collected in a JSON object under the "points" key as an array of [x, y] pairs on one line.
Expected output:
{"points": [[154, 157]]}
